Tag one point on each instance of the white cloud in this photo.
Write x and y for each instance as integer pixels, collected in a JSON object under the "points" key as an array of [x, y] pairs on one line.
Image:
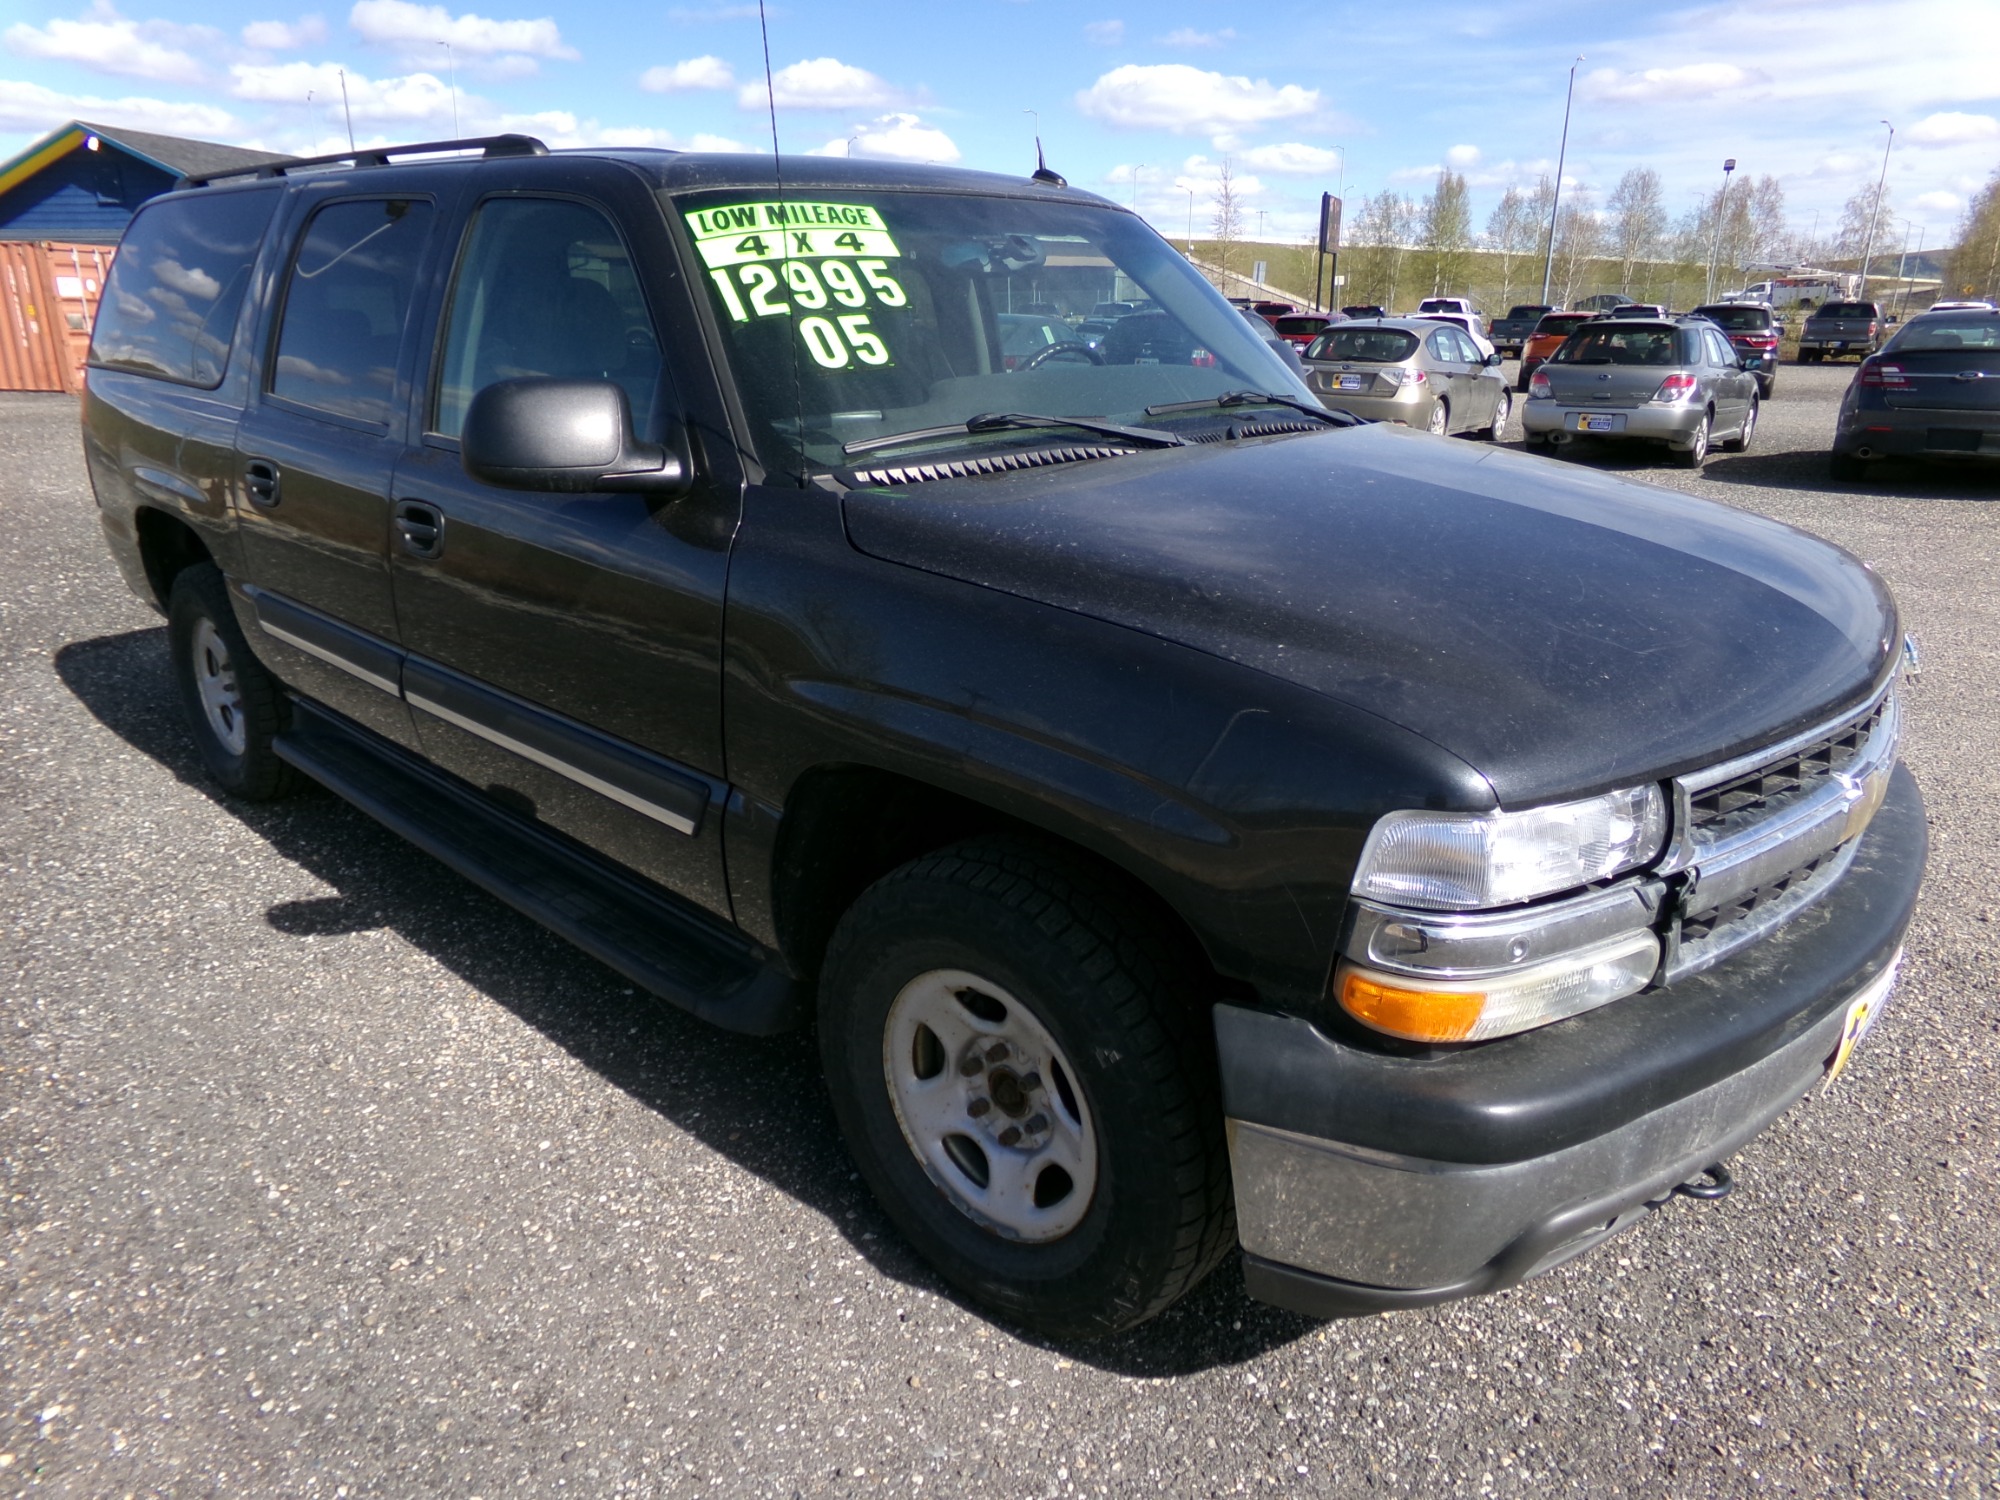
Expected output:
{"points": [[820, 83], [415, 96], [1953, 128], [1205, 176], [1188, 39], [285, 36], [1940, 203], [29, 106], [400, 24], [900, 137], [107, 42], [1191, 101], [1681, 85], [1105, 33], [561, 128], [692, 73], [1292, 159], [1461, 157]]}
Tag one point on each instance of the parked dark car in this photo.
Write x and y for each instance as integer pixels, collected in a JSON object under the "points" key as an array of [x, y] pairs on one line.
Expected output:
{"points": [[1191, 818], [1364, 310], [1674, 382], [1932, 392], [1753, 332], [1421, 372], [1028, 339], [1300, 329], [1839, 329], [1510, 334]]}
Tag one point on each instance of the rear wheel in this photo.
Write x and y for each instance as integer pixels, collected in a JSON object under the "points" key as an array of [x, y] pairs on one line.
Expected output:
{"points": [[1695, 454], [1440, 418], [1741, 442], [234, 707], [1018, 1058]]}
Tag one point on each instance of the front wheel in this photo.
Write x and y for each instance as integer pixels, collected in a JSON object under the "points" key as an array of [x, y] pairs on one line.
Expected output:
{"points": [[1020, 1065], [234, 707]]}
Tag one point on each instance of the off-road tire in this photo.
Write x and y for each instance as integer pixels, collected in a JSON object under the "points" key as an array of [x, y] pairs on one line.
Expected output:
{"points": [[253, 772], [1114, 985]]}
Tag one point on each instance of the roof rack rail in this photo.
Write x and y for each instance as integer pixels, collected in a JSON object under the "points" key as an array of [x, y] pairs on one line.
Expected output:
{"points": [[376, 156]]}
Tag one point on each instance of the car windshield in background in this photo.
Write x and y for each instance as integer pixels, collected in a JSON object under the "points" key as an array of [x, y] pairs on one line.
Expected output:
{"points": [[1618, 345], [1847, 310], [850, 317], [1562, 322], [1377, 346], [1736, 317], [1947, 334], [1306, 325]]}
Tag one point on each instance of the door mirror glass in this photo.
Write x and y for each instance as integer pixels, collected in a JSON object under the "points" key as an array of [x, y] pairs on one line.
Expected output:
{"points": [[565, 436], [1494, 360]]}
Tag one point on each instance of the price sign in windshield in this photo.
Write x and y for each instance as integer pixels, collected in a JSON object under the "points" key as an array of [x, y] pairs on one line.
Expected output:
{"points": [[742, 232]]}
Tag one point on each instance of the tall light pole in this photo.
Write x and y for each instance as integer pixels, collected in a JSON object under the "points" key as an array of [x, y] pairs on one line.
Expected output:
{"points": [[1875, 212], [1715, 244], [1562, 155], [451, 66], [1190, 237]]}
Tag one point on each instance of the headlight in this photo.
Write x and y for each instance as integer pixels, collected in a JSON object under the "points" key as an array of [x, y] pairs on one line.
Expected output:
{"points": [[1472, 861], [1474, 1010]]}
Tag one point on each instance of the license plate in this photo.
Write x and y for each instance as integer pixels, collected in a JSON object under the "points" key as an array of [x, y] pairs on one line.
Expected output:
{"points": [[1350, 382], [1586, 422], [1862, 1013]]}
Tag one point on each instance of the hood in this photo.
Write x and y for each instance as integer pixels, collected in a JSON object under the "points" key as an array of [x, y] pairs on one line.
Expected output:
{"points": [[1561, 630]]}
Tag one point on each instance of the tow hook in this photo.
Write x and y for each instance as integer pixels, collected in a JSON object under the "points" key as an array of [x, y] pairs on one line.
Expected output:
{"points": [[1718, 1185]]}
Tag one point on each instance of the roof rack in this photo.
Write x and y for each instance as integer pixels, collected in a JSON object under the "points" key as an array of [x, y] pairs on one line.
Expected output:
{"points": [[376, 156]]}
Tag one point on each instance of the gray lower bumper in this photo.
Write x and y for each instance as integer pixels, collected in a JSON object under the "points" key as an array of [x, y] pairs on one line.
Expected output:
{"points": [[1670, 424], [1376, 1230]]}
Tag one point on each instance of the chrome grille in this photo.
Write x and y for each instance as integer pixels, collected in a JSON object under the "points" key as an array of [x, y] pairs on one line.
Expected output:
{"points": [[1745, 797]]}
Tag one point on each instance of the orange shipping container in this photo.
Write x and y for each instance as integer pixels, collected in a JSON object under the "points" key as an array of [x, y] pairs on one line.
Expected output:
{"points": [[48, 297]]}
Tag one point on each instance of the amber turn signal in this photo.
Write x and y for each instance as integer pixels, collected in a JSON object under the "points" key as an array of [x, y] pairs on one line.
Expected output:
{"points": [[1417, 1015]]}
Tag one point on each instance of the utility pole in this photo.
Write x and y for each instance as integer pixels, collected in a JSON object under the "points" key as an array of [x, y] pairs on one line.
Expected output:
{"points": [[1715, 243], [346, 110], [1555, 203], [451, 66], [1875, 212], [1190, 234]]}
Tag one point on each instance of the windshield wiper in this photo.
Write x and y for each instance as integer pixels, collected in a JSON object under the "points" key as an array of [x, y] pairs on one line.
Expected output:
{"points": [[1010, 421], [1257, 398]]}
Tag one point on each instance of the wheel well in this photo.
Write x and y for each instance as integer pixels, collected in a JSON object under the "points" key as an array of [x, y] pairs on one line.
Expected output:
{"points": [[845, 827], [167, 544]]}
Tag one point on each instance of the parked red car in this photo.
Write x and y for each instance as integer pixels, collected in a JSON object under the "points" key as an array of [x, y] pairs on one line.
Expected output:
{"points": [[1300, 329]]}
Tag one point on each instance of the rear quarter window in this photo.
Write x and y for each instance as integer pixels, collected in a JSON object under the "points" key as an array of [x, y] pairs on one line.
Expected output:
{"points": [[170, 303]]}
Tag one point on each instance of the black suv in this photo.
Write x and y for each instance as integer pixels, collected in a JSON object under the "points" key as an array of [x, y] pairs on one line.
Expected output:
{"points": [[1189, 816]]}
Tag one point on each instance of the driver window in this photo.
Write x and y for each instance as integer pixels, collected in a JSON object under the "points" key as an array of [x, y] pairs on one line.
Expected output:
{"points": [[546, 288]]}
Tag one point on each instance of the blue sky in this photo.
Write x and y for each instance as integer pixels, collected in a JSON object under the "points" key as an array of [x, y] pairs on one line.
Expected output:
{"points": [[1137, 102]]}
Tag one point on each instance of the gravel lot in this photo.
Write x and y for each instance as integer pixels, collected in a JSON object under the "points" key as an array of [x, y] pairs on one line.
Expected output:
{"points": [[325, 1175]]}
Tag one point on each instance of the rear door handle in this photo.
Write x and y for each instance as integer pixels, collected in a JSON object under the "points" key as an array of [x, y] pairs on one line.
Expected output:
{"points": [[419, 528], [260, 479]]}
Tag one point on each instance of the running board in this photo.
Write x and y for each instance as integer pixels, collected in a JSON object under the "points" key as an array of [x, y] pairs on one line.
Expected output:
{"points": [[660, 943]]}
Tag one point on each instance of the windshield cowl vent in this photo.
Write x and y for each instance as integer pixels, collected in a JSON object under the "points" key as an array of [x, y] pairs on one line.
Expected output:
{"points": [[994, 463], [1254, 429]]}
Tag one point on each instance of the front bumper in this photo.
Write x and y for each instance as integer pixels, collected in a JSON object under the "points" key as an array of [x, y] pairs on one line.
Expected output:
{"points": [[1666, 424], [1367, 1182]]}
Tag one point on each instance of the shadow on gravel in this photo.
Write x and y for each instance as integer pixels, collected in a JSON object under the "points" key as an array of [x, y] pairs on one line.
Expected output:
{"points": [[1890, 479], [757, 1101]]}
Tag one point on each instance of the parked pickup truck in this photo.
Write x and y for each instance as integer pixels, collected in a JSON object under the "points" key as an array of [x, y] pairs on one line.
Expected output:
{"points": [[1840, 329], [1510, 334], [1191, 818]]}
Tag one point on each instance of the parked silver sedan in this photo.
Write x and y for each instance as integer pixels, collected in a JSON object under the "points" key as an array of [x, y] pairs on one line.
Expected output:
{"points": [[1413, 371], [1676, 381]]}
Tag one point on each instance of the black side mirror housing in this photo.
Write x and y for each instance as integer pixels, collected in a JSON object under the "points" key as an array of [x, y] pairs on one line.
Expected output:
{"points": [[1494, 360], [566, 436]]}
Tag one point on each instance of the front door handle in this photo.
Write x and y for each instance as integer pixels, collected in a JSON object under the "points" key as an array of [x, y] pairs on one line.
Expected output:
{"points": [[260, 479], [419, 528]]}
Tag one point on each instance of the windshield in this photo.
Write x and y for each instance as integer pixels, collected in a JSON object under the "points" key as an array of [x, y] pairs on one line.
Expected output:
{"points": [[1736, 317], [1947, 332], [1619, 345], [854, 316], [1375, 346], [1562, 323]]}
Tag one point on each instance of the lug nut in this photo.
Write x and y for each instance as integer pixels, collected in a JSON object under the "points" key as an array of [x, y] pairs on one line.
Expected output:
{"points": [[1011, 1136], [1035, 1123], [970, 1066], [978, 1107], [996, 1052], [1031, 1081]]}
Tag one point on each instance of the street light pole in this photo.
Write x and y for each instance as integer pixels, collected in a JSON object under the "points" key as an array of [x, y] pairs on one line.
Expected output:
{"points": [[1875, 212], [1555, 203], [451, 66], [1190, 234], [1715, 243]]}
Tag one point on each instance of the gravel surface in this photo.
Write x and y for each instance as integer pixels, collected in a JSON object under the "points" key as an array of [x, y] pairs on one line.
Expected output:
{"points": [[325, 1175]]}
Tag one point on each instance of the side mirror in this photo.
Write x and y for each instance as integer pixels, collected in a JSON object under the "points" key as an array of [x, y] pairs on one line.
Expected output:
{"points": [[565, 436], [1494, 360]]}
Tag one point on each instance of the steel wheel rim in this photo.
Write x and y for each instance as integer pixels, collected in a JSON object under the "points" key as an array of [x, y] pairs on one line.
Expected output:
{"points": [[989, 1106], [215, 684], [1749, 425]]}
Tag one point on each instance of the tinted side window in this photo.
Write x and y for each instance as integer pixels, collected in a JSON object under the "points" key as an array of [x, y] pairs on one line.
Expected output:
{"points": [[345, 301], [546, 288], [171, 300]]}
